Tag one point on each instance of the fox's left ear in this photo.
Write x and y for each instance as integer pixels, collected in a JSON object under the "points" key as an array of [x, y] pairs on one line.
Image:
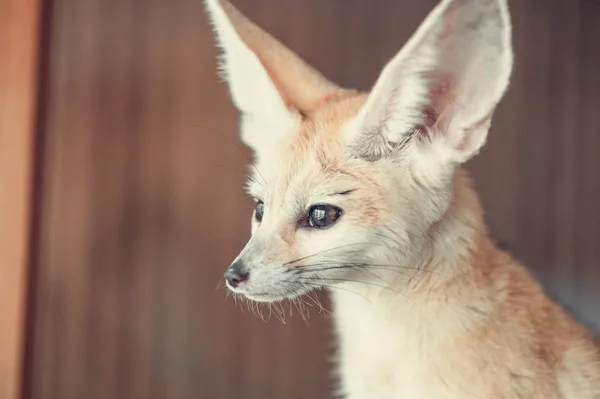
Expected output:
{"points": [[434, 100], [269, 84]]}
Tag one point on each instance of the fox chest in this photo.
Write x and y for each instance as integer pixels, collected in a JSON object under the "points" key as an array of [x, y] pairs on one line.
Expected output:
{"points": [[380, 358]]}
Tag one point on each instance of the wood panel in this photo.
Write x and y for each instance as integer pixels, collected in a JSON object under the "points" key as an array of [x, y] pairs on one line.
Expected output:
{"points": [[18, 78], [143, 206]]}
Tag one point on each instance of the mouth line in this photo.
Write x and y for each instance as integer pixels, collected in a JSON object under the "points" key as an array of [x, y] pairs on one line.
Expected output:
{"points": [[258, 294], [249, 293], [273, 296], [264, 297]]}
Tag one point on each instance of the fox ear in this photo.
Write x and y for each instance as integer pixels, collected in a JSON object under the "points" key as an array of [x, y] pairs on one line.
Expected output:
{"points": [[269, 84], [436, 97]]}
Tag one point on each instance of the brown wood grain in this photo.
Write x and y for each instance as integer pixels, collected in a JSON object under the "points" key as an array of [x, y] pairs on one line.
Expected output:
{"points": [[143, 206], [18, 79]]}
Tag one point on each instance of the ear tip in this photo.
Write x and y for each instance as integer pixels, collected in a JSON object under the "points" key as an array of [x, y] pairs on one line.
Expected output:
{"points": [[211, 7], [507, 34], [209, 4], [483, 5], [212, 3], [215, 6]]}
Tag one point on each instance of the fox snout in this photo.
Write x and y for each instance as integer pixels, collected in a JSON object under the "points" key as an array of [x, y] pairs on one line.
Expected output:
{"points": [[237, 274]]}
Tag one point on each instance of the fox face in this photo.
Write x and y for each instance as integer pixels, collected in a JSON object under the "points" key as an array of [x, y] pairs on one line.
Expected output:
{"points": [[321, 214], [348, 184]]}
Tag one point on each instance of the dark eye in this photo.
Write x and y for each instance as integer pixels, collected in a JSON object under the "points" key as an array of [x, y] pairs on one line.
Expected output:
{"points": [[323, 216], [260, 211]]}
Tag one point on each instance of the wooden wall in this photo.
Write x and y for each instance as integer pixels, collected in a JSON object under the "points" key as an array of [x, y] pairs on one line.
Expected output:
{"points": [[19, 26], [142, 206]]}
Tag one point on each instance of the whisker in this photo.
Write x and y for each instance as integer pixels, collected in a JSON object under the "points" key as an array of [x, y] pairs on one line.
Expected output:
{"points": [[315, 254], [348, 267], [301, 309], [260, 175], [312, 295], [393, 266], [357, 282], [305, 304], [250, 305], [258, 310], [337, 266], [392, 237], [366, 265], [279, 313], [315, 285]]}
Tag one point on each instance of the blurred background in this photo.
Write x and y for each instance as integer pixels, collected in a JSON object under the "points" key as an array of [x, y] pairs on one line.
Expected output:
{"points": [[138, 205]]}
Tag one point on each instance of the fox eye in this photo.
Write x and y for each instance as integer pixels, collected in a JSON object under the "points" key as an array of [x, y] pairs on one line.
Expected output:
{"points": [[259, 211], [323, 216]]}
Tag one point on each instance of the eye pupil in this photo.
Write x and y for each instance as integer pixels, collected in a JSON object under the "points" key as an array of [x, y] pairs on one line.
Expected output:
{"points": [[319, 214], [323, 216], [259, 211]]}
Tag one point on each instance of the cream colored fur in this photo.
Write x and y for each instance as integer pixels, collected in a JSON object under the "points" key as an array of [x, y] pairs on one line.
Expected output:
{"points": [[425, 305]]}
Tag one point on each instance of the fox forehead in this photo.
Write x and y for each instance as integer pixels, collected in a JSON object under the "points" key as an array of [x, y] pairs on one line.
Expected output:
{"points": [[312, 165], [314, 150]]}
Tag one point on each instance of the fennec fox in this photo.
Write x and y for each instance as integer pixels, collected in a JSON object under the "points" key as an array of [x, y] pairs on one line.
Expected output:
{"points": [[365, 193]]}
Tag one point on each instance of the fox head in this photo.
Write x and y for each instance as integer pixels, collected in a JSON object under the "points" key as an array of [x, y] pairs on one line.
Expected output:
{"points": [[348, 184]]}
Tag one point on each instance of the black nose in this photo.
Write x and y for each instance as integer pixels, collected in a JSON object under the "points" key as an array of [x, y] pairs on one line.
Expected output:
{"points": [[236, 274]]}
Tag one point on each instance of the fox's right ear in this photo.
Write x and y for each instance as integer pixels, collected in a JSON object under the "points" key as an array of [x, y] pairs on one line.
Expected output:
{"points": [[269, 84]]}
